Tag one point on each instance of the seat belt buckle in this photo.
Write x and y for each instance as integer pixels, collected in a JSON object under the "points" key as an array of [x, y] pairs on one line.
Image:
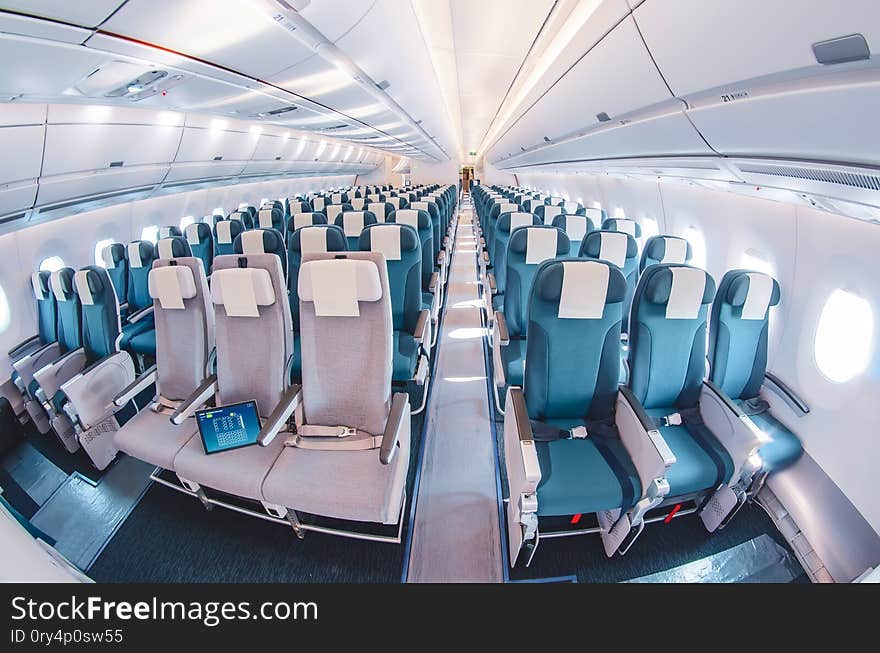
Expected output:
{"points": [[579, 433], [346, 431], [671, 420]]}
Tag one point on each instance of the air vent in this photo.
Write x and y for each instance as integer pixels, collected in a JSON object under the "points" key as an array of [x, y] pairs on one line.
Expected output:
{"points": [[826, 175], [17, 216], [116, 164], [330, 129], [275, 112], [384, 84], [842, 50], [218, 158], [603, 117]]}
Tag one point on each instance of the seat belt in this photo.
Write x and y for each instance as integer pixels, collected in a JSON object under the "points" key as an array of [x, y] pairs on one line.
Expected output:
{"points": [[545, 433], [333, 438]]}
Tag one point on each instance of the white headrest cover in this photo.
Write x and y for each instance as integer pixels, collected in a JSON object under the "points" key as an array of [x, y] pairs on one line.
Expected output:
{"points": [[224, 232], [332, 211], [242, 290], [81, 284], [626, 226], [686, 294], [571, 207], [336, 286], [421, 206], [55, 284], [409, 217], [313, 240], [584, 289], [171, 284], [386, 239], [265, 218], [107, 257], [238, 215], [303, 220], [358, 203], [164, 232], [575, 227], [377, 209], [318, 203], [520, 220], [758, 298], [134, 255], [675, 250], [541, 245], [612, 248], [508, 208], [394, 201], [165, 248], [192, 233], [551, 212], [38, 288], [252, 242], [353, 223]]}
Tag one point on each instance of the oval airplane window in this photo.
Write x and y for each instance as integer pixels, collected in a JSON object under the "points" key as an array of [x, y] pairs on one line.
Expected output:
{"points": [[99, 248], [844, 336], [5, 313], [51, 264], [186, 221], [150, 233], [698, 245]]}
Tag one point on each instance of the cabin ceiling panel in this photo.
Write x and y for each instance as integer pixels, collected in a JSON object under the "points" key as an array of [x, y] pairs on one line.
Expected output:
{"points": [[25, 146], [42, 69], [77, 12]]}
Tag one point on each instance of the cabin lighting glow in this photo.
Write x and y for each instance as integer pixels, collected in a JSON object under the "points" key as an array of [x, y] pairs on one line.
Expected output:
{"points": [[256, 130], [51, 264], [698, 245], [844, 336], [649, 228], [150, 233], [752, 259], [5, 312], [186, 221], [99, 251], [218, 125]]}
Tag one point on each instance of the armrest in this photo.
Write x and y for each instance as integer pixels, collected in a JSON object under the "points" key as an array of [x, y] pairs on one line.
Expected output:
{"points": [[24, 347], [500, 339], [486, 257], [422, 333], [140, 315], [788, 395], [519, 446], [279, 417], [91, 392], [434, 282], [52, 376], [501, 333], [136, 387], [28, 365], [733, 429], [398, 419], [123, 307], [649, 452], [493, 286], [441, 257], [195, 401]]}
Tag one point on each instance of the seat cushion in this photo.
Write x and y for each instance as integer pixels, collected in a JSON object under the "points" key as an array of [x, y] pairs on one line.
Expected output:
{"points": [[406, 356], [585, 476], [701, 461], [783, 450], [153, 438], [131, 330], [144, 342], [239, 472], [514, 357], [341, 484]]}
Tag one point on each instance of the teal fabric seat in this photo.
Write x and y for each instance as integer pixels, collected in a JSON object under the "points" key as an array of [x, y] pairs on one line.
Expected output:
{"points": [[576, 228], [622, 250], [421, 222], [353, 223], [514, 358], [144, 342], [141, 254], [401, 247], [225, 233], [667, 352], [665, 249], [495, 210], [201, 242], [623, 225], [784, 448], [505, 225], [116, 263], [262, 241], [437, 230]]}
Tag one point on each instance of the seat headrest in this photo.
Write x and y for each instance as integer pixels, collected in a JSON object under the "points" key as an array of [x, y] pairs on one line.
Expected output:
{"points": [[112, 255], [576, 226], [581, 287], [306, 219], [681, 288], [173, 248], [265, 218], [242, 290], [197, 233], [392, 240], [89, 284], [318, 239], [40, 284], [318, 203], [61, 282], [259, 241], [668, 249], [171, 284], [412, 217], [227, 230], [613, 246], [335, 286], [141, 254], [625, 225], [755, 292], [539, 243], [169, 231], [353, 222], [508, 222], [507, 207]]}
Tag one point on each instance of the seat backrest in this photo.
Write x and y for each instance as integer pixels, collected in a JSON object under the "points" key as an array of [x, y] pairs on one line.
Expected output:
{"points": [[570, 207], [576, 227], [548, 212], [101, 327], [402, 249], [116, 263], [315, 239], [421, 222], [624, 225], [667, 336], [353, 223], [300, 220], [244, 217], [68, 307], [621, 249], [665, 249], [504, 226], [380, 209], [262, 241], [173, 247], [47, 308], [201, 242], [319, 203], [437, 226], [495, 209], [527, 249], [169, 231], [333, 210], [141, 254], [225, 233], [253, 331], [184, 317], [572, 364], [357, 203], [738, 331], [346, 332], [299, 206], [271, 218], [398, 202]]}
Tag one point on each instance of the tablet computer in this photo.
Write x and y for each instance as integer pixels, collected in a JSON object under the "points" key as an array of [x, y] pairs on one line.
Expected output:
{"points": [[229, 427]]}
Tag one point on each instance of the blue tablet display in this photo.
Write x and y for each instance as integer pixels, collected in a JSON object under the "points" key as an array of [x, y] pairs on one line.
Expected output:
{"points": [[229, 427]]}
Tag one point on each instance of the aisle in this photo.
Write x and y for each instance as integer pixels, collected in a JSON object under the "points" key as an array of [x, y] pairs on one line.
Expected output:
{"points": [[456, 532]]}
